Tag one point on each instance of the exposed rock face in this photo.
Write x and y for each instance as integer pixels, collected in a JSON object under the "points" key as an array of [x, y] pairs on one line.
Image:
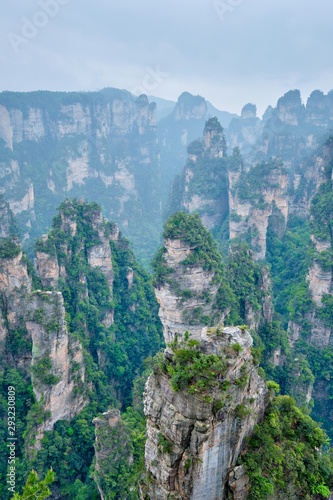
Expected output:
{"points": [[286, 137], [130, 277], [111, 445], [190, 107], [239, 483], [175, 312], [47, 268], [15, 284], [102, 142], [194, 437], [320, 276], [204, 446], [320, 282], [247, 214], [211, 200], [57, 360], [243, 132], [214, 139], [290, 109], [100, 255]]}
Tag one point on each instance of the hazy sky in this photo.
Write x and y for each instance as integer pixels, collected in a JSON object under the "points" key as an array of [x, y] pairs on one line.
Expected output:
{"points": [[229, 51]]}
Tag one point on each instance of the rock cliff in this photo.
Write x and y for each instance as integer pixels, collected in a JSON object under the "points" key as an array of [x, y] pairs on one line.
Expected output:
{"points": [[317, 320], [100, 145], [58, 372], [205, 394], [194, 440], [203, 184]]}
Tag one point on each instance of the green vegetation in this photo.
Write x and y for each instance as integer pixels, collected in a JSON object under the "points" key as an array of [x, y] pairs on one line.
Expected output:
{"points": [[253, 182], [45, 164], [9, 248], [10, 376], [322, 212], [189, 228], [192, 371], [136, 332], [113, 359], [118, 475], [35, 489], [41, 370], [165, 446], [285, 451]]}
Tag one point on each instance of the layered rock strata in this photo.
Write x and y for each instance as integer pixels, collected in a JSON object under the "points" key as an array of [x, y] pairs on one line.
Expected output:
{"points": [[195, 435], [176, 310], [204, 443], [57, 360]]}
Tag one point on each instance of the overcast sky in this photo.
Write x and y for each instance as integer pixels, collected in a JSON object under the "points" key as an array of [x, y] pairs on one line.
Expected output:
{"points": [[229, 51]]}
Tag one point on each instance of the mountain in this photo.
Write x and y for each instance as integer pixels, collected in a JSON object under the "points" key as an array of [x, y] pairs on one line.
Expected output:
{"points": [[75, 330], [73, 337], [282, 210], [290, 131], [241, 294], [163, 106], [215, 430], [177, 130], [99, 144]]}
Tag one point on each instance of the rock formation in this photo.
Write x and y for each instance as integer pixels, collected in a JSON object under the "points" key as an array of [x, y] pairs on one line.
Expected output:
{"points": [[204, 435], [58, 373], [94, 145], [199, 411]]}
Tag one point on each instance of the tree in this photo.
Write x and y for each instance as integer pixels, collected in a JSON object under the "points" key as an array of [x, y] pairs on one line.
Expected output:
{"points": [[34, 489]]}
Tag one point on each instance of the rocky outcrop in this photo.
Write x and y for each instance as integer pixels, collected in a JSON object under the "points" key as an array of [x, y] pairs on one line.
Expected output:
{"points": [[204, 440], [192, 288], [238, 483], [254, 199], [320, 282], [206, 157], [58, 372], [15, 284], [100, 255], [8, 226], [320, 273], [197, 419], [244, 132], [47, 268]]}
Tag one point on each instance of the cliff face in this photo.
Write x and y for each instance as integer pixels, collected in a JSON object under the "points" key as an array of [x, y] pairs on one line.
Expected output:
{"points": [[58, 372], [178, 130], [195, 289], [255, 198], [80, 343], [205, 435], [320, 272], [290, 131], [244, 132], [205, 394], [262, 192], [15, 284], [203, 184], [80, 145]]}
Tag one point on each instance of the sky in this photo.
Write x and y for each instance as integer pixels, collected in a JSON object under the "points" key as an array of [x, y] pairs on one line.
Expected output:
{"points": [[229, 51]]}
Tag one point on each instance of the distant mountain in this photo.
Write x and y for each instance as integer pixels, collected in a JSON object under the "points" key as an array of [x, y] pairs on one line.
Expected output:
{"points": [[163, 106], [101, 145], [177, 130]]}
